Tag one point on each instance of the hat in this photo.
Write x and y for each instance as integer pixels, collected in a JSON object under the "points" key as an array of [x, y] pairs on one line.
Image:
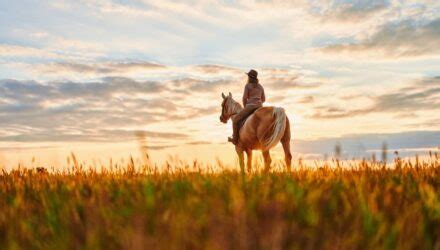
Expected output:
{"points": [[252, 73]]}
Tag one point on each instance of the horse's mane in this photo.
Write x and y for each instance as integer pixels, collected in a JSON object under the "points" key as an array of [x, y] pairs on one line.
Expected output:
{"points": [[233, 106]]}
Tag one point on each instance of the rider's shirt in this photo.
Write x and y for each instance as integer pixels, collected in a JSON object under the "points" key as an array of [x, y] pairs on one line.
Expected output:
{"points": [[253, 94]]}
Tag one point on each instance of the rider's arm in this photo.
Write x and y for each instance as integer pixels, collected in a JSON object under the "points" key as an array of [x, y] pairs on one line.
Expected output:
{"points": [[245, 95]]}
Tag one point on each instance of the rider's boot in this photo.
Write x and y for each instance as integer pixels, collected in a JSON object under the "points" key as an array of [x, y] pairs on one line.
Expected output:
{"points": [[234, 138]]}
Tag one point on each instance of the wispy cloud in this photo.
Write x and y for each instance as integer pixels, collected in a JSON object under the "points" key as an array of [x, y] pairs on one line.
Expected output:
{"points": [[216, 69], [106, 68], [105, 135], [395, 40], [24, 51], [349, 11], [289, 82], [306, 99], [189, 85], [81, 106], [421, 95]]}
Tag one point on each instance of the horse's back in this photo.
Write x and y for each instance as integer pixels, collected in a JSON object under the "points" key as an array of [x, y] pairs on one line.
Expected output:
{"points": [[259, 115], [256, 126], [264, 112]]}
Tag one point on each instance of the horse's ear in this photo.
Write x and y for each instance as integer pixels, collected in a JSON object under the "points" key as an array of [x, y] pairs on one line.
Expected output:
{"points": [[230, 95], [223, 95]]}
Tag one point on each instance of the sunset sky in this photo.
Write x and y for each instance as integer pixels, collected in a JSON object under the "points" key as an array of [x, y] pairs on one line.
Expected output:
{"points": [[86, 76]]}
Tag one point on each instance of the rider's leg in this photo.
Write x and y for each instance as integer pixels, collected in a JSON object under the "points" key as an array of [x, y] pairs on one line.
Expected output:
{"points": [[235, 125], [242, 115]]}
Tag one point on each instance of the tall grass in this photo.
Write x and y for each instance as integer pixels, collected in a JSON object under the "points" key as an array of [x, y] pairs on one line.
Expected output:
{"points": [[366, 205]]}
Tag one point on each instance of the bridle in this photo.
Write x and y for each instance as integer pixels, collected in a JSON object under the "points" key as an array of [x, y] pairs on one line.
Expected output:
{"points": [[223, 116]]}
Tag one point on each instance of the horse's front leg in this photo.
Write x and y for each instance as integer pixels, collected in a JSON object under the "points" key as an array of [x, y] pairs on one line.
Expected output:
{"points": [[267, 160], [249, 160], [240, 158]]}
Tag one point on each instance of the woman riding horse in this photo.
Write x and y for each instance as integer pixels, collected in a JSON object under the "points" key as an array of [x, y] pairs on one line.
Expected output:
{"points": [[253, 98], [263, 129]]}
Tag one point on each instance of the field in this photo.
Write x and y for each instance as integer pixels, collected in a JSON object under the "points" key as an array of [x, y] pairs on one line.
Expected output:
{"points": [[338, 205]]}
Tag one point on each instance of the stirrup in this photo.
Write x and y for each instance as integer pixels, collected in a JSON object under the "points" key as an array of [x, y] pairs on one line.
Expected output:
{"points": [[231, 139]]}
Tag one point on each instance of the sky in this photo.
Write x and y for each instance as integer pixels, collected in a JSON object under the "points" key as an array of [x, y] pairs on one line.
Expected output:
{"points": [[106, 78]]}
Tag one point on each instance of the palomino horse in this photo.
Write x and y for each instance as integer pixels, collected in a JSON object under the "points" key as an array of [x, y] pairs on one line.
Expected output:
{"points": [[262, 130]]}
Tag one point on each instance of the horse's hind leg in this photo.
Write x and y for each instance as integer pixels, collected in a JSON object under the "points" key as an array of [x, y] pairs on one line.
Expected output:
{"points": [[285, 141], [267, 160]]}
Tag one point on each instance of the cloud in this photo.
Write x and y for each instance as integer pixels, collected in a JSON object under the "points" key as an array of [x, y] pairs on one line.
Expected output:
{"points": [[362, 145], [428, 124], [349, 11], [336, 113], [99, 135], [32, 91], [216, 69], [421, 95], [198, 143], [166, 146], [111, 109], [158, 147], [23, 51], [20, 148], [191, 112], [280, 82], [106, 68], [306, 99], [189, 85], [54, 48], [395, 40], [62, 5]]}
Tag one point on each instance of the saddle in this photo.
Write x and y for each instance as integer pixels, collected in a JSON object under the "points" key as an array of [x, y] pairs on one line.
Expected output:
{"points": [[243, 121]]}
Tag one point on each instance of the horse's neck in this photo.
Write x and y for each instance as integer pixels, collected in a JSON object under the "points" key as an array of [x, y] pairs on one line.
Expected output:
{"points": [[235, 107]]}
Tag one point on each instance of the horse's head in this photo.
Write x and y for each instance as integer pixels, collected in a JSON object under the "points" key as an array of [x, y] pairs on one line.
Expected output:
{"points": [[226, 114]]}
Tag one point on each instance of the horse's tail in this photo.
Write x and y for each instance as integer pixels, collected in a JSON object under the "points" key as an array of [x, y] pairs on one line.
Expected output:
{"points": [[277, 129]]}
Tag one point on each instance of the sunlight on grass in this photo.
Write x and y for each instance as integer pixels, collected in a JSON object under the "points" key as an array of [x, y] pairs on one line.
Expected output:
{"points": [[339, 205]]}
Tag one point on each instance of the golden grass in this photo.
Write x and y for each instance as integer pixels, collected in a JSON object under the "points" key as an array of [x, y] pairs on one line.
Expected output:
{"points": [[363, 205]]}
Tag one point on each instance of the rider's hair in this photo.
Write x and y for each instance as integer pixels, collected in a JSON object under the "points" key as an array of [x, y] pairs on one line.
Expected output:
{"points": [[253, 80]]}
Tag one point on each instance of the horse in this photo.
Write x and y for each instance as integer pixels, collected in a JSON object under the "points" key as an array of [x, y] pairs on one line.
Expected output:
{"points": [[262, 130]]}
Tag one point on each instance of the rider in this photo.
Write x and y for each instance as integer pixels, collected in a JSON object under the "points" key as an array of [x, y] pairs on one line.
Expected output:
{"points": [[253, 98]]}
